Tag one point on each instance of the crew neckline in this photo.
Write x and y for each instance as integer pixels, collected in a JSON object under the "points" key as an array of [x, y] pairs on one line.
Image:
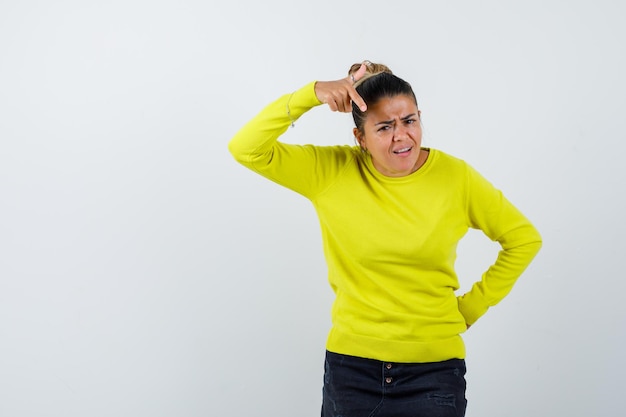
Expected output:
{"points": [[432, 155]]}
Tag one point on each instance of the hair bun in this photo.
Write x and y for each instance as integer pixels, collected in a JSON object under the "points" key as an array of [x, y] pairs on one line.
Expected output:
{"points": [[372, 68]]}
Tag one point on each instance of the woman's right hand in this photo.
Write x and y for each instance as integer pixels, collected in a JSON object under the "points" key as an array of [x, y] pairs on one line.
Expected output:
{"points": [[340, 94]]}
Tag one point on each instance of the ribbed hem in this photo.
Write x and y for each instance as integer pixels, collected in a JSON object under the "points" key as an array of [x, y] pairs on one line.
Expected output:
{"points": [[396, 351]]}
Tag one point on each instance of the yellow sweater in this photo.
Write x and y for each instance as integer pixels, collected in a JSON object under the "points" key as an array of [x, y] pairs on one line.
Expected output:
{"points": [[390, 243]]}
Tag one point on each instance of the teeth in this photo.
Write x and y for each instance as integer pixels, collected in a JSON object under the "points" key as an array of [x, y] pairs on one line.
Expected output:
{"points": [[403, 150]]}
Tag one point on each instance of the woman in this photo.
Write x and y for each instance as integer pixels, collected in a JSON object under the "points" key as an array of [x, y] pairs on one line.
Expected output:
{"points": [[392, 213]]}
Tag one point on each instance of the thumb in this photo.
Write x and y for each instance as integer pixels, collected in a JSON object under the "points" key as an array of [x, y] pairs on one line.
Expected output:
{"points": [[359, 73]]}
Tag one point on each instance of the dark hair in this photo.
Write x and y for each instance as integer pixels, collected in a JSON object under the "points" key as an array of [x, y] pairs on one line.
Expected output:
{"points": [[376, 87]]}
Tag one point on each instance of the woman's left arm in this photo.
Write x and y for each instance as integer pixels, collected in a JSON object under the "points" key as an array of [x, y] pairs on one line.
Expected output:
{"points": [[490, 211]]}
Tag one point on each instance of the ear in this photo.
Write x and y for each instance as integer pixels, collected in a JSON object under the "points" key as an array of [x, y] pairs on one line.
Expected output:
{"points": [[359, 137]]}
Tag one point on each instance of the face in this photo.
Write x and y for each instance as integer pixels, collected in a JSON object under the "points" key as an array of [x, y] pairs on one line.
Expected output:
{"points": [[393, 135]]}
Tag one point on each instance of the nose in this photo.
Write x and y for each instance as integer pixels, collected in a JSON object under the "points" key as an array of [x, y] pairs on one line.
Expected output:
{"points": [[400, 132]]}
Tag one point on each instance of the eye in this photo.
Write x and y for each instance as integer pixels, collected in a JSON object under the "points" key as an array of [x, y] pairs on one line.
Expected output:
{"points": [[383, 128], [410, 121]]}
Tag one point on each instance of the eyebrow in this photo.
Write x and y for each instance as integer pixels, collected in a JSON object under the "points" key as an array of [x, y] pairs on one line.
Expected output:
{"points": [[388, 122]]}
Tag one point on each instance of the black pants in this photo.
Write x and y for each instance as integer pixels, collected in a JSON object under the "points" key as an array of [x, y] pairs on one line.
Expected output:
{"points": [[358, 387]]}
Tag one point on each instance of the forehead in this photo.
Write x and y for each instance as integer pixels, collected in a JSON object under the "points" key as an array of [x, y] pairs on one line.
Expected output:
{"points": [[391, 107]]}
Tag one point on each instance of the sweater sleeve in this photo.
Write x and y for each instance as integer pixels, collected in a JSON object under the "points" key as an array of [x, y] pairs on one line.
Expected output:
{"points": [[501, 221], [256, 145]]}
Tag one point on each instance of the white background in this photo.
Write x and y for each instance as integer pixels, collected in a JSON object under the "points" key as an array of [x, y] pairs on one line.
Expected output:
{"points": [[144, 273]]}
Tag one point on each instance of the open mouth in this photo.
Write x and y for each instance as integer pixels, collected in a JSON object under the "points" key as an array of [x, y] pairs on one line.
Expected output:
{"points": [[403, 150]]}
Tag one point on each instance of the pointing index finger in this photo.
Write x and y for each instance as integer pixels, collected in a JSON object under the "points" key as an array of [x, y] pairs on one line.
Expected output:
{"points": [[354, 77]]}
